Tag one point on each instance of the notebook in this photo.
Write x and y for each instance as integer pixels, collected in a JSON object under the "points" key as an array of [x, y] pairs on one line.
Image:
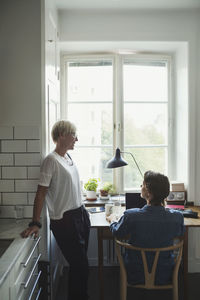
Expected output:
{"points": [[134, 200]]}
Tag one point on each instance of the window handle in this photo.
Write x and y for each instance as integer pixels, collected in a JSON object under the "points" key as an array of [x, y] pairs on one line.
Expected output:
{"points": [[119, 127]]}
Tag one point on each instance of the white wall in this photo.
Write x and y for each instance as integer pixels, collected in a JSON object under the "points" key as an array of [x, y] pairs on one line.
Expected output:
{"points": [[137, 25], [20, 62]]}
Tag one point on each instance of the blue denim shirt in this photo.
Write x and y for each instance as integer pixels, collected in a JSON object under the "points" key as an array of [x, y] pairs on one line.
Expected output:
{"points": [[150, 227]]}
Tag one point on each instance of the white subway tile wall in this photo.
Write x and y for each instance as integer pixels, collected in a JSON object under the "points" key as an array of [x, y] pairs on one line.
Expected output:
{"points": [[31, 198], [6, 185], [26, 132], [33, 172], [8, 211], [33, 146], [14, 172], [30, 159], [14, 198], [6, 159], [6, 132], [19, 169], [26, 185], [13, 146]]}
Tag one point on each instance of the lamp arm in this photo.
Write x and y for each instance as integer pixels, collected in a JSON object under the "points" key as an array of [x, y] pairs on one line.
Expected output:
{"points": [[134, 161]]}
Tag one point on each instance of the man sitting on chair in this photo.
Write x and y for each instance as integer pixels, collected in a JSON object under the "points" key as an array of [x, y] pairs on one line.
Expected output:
{"points": [[152, 226]]}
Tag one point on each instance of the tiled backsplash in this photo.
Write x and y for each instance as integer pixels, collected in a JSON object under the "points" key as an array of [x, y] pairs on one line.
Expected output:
{"points": [[19, 169]]}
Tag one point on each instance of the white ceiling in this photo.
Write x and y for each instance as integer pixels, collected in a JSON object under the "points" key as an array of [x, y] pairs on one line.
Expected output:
{"points": [[126, 4]]}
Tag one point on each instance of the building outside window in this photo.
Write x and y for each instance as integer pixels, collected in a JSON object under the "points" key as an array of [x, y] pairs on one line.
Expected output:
{"points": [[118, 101]]}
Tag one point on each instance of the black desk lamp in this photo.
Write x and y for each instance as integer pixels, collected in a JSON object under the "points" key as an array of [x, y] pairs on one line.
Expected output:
{"points": [[117, 161]]}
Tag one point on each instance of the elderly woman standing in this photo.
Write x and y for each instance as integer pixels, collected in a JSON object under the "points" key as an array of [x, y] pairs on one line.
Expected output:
{"points": [[59, 186]]}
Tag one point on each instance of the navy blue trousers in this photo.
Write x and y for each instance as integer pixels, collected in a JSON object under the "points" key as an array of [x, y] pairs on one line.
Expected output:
{"points": [[72, 235]]}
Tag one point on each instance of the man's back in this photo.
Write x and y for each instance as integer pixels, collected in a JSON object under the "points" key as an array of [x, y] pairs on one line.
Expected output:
{"points": [[149, 227]]}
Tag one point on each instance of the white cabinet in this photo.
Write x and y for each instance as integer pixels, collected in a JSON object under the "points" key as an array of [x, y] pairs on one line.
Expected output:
{"points": [[4, 289], [25, 275]]}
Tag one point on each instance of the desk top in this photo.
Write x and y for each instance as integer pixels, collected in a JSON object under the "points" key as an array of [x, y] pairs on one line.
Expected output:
{"points": [[99, 219]]}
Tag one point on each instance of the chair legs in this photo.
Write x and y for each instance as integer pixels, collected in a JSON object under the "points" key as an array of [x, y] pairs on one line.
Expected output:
{"points": [[175, 290], [123, 287]]}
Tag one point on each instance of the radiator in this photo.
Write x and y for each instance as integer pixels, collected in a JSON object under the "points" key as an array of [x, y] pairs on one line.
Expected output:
{"points": [[111, 252]]}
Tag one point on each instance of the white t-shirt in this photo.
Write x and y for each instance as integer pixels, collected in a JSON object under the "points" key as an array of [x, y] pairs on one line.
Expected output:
{"points": [[64, 192]]}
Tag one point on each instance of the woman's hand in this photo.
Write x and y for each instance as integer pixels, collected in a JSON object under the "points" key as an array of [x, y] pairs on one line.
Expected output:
{"points": [[38, 204], [33, 230], [112, 218]]}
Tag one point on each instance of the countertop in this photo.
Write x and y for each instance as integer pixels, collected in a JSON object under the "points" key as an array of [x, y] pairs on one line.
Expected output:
{"points": [[11, 229]]}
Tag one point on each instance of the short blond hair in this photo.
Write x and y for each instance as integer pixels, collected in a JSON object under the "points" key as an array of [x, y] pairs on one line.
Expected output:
{"points": [[62, 127]]}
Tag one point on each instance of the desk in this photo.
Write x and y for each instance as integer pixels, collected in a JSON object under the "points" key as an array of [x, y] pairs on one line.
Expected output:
{"points": [[99, 222]]}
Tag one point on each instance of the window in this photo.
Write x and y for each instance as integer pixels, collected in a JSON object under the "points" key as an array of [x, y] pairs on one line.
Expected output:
{"points": [[118, 101]]}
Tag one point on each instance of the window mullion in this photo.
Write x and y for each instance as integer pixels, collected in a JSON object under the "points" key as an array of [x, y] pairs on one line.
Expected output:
{"points": [[171, 158]]}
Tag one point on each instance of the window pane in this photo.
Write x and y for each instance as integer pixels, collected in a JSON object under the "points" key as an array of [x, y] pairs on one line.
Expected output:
{"points": [[90, 81], [145, 124], [154, 159], [145, 82], [93, 121], [91, 163]]}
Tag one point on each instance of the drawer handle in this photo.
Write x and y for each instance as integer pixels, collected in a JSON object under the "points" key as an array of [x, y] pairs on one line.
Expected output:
{"points": [[35, 284], [32, 271], [38, 294], [28, 259]]}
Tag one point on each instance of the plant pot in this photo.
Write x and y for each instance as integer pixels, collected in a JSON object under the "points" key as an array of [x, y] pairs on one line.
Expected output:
{"points": [[91, 195], [104, 193]]}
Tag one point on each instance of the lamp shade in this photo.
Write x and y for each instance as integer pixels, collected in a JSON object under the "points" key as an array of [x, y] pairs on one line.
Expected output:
{"points": [[117, 161]]}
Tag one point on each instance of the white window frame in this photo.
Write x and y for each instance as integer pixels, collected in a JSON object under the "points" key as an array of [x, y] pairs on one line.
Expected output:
{"points": [[118, 137]]}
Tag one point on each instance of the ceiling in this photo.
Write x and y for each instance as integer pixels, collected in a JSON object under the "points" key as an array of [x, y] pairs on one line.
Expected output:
{"points": [[126, 4]]}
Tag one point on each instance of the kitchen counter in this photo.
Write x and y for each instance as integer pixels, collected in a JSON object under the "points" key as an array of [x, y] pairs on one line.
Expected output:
{"points": [[10, 229]]}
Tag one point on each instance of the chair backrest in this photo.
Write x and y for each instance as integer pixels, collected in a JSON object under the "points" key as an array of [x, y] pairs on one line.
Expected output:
{"points": [[150, 276]]}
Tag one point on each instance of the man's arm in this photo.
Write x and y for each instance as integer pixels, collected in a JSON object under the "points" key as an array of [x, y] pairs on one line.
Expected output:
{"points": [[38, 204], [120, 229]]}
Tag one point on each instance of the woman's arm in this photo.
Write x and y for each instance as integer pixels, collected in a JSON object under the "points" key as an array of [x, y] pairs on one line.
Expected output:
{"points": [[38, 204]]}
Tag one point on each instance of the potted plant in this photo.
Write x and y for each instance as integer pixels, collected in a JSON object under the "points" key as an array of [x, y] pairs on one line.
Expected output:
{"points": [[91, 188], [106, 189]]}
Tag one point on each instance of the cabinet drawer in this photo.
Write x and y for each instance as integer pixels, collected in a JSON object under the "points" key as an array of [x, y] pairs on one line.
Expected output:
{"points": [[31, 290], [26, 273], [25, 259]]}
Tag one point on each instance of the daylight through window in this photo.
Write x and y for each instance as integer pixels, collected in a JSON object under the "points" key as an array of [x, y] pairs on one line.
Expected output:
{"points": [[118, 101]]}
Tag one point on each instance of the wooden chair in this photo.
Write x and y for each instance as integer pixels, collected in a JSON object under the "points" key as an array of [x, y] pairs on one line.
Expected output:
{"points": [[149, 276]]}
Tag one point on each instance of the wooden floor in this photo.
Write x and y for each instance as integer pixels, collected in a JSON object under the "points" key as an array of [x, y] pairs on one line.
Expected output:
{"points": [[111, 282]]}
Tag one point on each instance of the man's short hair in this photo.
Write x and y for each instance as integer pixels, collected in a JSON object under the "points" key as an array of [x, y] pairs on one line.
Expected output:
{"points": [[157, 185], [62, 127]]}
